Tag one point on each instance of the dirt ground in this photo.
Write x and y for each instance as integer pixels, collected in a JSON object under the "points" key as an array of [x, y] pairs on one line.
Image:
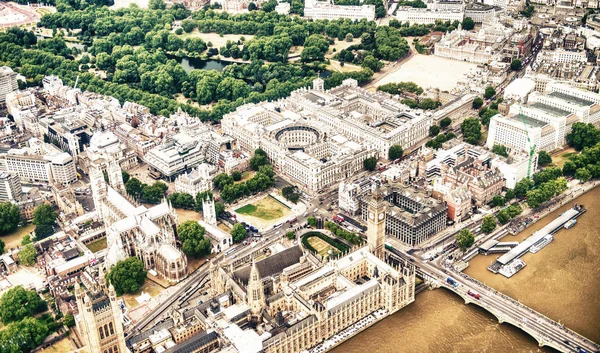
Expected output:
{"points": [[149, 287], [335, 66], [559, 159], [62, 346], [429, 71], [187, 215], [13, 240]]}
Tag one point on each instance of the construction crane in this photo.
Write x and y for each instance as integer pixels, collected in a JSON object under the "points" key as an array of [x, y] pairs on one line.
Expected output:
{"points": [[531, 147], [76, 80]]}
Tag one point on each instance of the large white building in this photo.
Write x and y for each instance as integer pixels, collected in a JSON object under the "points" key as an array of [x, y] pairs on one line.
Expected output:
{"points": [[428, 16], [546, 120], [10, 187], [315, 138], [42, 162], [198, 180], [326, 10], [8, 82]]}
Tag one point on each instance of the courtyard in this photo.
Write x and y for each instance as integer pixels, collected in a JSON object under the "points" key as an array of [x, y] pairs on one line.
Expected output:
{"points": [[97, 245], [264, 212], [429, 71], [322, 244], [13, 240]]}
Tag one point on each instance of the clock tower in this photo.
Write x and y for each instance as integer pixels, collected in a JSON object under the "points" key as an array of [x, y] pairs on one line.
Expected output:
{"points": [[376, 223]]}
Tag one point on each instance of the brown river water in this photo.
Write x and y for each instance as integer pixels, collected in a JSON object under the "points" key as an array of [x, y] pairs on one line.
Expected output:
{"points": [[562, 281]]}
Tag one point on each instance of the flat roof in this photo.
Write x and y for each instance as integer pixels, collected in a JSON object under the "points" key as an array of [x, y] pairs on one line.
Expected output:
{"points": [[529, 121], [536, 236], [557, 112], [573, 100]]}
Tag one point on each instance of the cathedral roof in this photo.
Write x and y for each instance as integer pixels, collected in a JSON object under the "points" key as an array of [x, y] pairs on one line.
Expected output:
{"points": [[272, 265]]}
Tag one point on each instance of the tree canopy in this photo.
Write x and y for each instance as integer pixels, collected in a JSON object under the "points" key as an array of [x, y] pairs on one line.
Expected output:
{"points": [[193, 243], [583, 135], [18, 303], [489, 92], [516, 65], [500, 150], [127, 276], [488, 224], [10, 217], [464, 239], [44, 214], [468, 23], [544, 158], [238, 232], [477, 102], [471, 129], [395, 152], [370, 164], [28, 255]]}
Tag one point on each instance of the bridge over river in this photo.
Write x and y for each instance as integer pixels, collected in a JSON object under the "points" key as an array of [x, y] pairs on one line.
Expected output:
{"points": [[546, 331]]}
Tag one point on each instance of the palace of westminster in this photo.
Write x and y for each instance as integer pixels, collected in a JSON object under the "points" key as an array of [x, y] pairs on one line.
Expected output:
{"points": [[286, 302]]}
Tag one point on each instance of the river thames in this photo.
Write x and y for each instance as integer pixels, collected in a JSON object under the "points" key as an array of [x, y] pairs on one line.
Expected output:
{"points": [[561, 281]]}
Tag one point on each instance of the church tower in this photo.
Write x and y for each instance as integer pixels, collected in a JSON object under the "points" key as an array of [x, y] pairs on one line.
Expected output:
{"points": [[255, 291], [99, 192], [376, 223], [115, 176], [99, 320], [208, 210]]}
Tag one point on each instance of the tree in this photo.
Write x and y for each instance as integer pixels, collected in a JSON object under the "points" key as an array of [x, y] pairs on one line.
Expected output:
{"points": [[220, 181], [259, 159], [372, 63], [69, 320], [395, 152], [18, 303], [498, 200], [44, 214], [477, 102], [290, 193], [464, 239], [544, 158], [157, 5], [583, 174], [500, 150], [43, 231], [445, 122], [434, 130], [516, 65], [510, 194], [583, 135], [503, 217], [193, 242], [468, 23], [238, 233], [370, 164], [312, 221], [523, 186], [134, 187], [10, 216], [127, 276], [28, 255], [252, 6], [471, 129], [23, 336], [290, 235], [349, 37], [569, 168], [125, 175], [236, 175], [489, 92], [488, 224]]}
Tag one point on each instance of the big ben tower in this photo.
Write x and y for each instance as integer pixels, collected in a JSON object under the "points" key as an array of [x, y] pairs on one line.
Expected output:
{"points": [[376, 223]]}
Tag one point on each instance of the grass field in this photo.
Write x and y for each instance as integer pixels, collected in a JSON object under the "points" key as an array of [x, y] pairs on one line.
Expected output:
{"points": [[97, 245], [13, 240], [320, 246], [216, 40], [267, 208]]}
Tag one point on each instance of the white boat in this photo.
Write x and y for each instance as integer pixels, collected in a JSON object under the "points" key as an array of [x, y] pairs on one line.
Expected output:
{"points": [[570, 223], [541, 243]]}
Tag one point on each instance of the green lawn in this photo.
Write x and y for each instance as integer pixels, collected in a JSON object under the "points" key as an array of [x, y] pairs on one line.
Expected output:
{"points": [[268, 209], [97, 245]]}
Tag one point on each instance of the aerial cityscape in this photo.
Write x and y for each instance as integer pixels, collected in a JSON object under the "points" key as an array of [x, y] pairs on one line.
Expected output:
{"points": [[299, 176]]}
